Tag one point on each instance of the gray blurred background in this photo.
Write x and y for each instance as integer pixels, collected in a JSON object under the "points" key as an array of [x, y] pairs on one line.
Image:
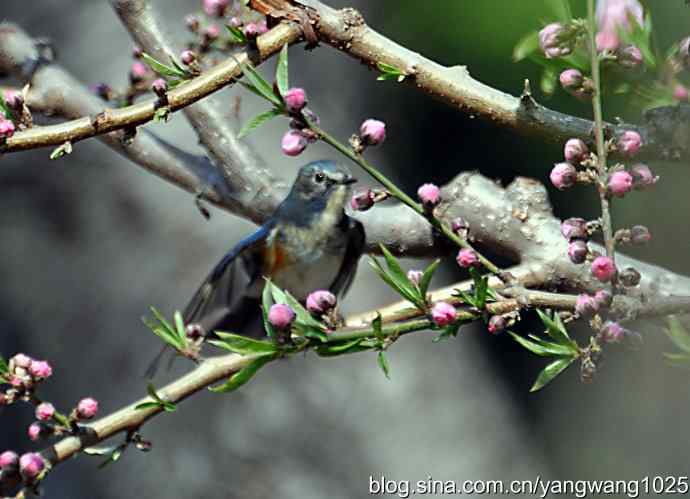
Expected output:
{"points": [[90, 241]]}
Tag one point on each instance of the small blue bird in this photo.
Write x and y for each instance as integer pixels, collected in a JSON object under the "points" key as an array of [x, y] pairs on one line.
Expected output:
{"points": [[308, 243]]}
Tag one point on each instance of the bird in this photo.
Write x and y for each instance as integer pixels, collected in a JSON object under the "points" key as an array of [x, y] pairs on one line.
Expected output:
{"points": [[309, 243]]}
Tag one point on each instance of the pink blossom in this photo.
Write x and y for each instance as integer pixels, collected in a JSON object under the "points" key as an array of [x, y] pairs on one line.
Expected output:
{"points": [[87, 408], [680, 93], [619, 183], [215, 7], [9, 460], [281, 316], [467, 258], [575, 151], [629, 143], [443, 314], [603, 268], [293, 143], [295, 99], [563, 175], [34, 431], [44, 411], [40, 369], [7, 128], [429, 195], [31, 465], [372, 132]]}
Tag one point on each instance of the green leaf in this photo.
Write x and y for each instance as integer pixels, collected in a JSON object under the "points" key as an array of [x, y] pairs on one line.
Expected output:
{"points": [[4, 368], [164, 69], [526, 46], [397, 279], [678, 334], [179, 327], [553, 348], [242, 344], [550, 372], [259, 85], [532, 346], [257, 121], [481, 286], [237, 35], [282, 71], [426, 277], [376, 325], [165, 331], [332, 350], [61, 150], [556, 329], [147, 405], [448, 332], [266, 302], [548, 81], [158, 402], [389, 72], [243, 375], [383, 364], [114, 456]]}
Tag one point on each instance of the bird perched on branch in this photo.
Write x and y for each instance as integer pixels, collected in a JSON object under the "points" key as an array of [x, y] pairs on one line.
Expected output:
{"points": [[308, 243]]}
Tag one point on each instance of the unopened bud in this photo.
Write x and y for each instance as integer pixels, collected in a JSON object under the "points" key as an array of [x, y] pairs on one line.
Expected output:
{"points": [[429, 195], [577, 251], [603, 268], [629, 277], [639, 234], [575, 151], [497, 323], [619, 183], [372, 132], [574, 228], [643, 176], [563, 175], [629, 143], [321, 301], [586, 305], [362, 200]]}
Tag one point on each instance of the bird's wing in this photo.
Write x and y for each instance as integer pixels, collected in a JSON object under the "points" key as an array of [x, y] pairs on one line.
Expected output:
{"points": [[355, 246], [227, 291]]}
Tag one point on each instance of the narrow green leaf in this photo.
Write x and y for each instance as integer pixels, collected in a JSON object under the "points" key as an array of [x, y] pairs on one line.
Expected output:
{"points": [[116, 455], [243, 375], [531, 345], [266, 302], [388, 69], [314, 333], [151, 390], [555, 328], [426, 277], [560, 9], [383, 364], [169, 406], [242, 344], [678, 334], [548, 81], [282, 71], [180, 328], [262, 87], [411, 296], [526, 46], [389, 76], [550, 372], [257, 121], [553, 348], [237, 35], [147, 405], [163, 69], [4, 368], [376, 325], [448, 332], [99, 451]]}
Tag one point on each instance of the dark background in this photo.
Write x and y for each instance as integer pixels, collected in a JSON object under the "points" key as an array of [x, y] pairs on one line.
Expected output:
{"points": [[88, 242]]}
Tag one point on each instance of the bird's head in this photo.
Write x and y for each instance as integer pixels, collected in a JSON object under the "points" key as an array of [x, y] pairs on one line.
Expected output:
{"points": [[321, 187]]}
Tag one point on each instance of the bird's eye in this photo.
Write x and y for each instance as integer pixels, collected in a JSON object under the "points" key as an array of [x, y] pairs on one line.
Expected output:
{"points": [[319, 177]]}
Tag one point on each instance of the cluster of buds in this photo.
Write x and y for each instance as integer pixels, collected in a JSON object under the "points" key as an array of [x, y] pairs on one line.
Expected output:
{"points": [[23, 374], [559, 39], [27, 467], [15, 102], [372, 132], [49, 423], [576, 154], [576, 231], [588, 305], [295, 140], [365, 199], [222, 11]]}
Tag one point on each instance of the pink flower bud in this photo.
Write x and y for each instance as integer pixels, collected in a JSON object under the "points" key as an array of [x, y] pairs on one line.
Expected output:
{"points": [[603, 297], [35, 431], [235, 22], [40, 369], [137, 52], [563, 175], [372, 132], [443, 314], [194, 331], [295, 99], [45, 411], [630, 57], [281, 316], [586, 305], [460, 226], [21, 360], [6, 129], [159, 87], [9, 461], [571, 79], [619, 183], [321, 301], [415, 276], [577, 251], [612, 15], [643, 176], [575, 151], [467, 258], [550, 41], [215, 8], [603, 268], [612, 332], [262, 27], [211, 32], [429, 195], [639, 234], [362, 200], [680, 93], [13, 99], [87, 408], [574, 228], [629, 143], [293, 143], [607, 41], [251, 30], [497, 323], [187, 57], [138, 71], [31, 465]]}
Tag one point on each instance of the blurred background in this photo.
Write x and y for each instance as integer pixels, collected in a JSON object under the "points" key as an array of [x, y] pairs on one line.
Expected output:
{"points": [[90, 241]]}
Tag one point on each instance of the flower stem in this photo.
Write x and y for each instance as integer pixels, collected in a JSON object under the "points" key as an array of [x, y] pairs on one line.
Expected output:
{"points": [[602, 172], [402, 197]]}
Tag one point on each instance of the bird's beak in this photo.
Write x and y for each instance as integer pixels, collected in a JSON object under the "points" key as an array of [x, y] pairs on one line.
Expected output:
{"points": [[348, 179]]}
